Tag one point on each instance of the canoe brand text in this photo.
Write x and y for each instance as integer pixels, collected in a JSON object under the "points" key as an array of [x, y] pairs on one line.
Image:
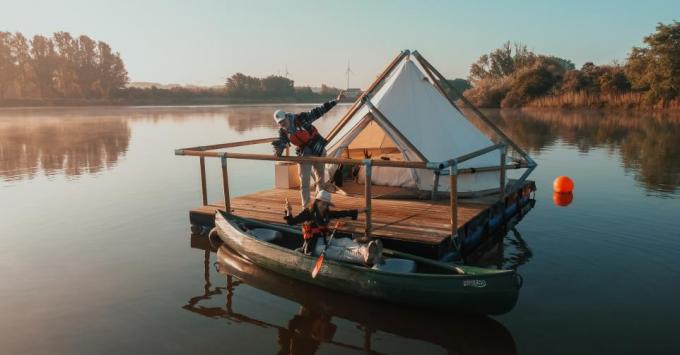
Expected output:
{"points": [[474, 283]]}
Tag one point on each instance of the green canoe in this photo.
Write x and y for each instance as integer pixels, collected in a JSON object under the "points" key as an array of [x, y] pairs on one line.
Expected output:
{"points": [[426, 284]]}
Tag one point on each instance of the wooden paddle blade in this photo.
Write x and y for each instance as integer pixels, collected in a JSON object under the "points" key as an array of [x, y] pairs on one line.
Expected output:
{"points": [[317, 266]]}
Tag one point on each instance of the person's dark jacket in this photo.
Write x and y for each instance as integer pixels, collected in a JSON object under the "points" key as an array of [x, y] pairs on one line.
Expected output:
{"points": [[303, 121]]}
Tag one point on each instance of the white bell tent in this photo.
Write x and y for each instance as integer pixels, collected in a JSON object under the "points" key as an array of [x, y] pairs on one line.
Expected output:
{"points": [[405, 116]]}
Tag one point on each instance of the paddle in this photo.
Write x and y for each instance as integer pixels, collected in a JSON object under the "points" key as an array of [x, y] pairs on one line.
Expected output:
{"points": [[319, 261]]}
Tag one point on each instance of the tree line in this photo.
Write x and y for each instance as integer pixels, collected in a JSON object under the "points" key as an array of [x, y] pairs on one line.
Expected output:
{"points": [[272, 86], [60, 66], [238, 88], [513, 76]]}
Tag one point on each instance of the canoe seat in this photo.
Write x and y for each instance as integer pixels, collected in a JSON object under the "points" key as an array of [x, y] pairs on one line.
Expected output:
{"points": [[266, 235], [396, 265]]}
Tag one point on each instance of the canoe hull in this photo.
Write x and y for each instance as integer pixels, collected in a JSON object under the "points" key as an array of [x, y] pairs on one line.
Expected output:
{"points": [[494, 293]]}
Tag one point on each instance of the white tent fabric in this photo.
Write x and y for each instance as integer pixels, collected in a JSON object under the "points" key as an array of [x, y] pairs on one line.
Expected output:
{"points": [[420, 114]]}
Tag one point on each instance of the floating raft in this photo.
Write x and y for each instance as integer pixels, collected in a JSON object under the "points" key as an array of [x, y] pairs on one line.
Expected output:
{"points": [[422, 227], [441, 145]]}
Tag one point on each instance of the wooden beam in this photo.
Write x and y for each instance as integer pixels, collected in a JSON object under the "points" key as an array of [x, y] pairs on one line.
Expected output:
{"points": [[345, 161], [225, 185], [502, 174], [231, 144], [306, 159], [204, 188], [357, 104], [367, 196], [453, 186]]}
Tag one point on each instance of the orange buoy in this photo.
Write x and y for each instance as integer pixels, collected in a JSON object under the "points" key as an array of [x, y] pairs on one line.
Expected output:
{"points": [[562, 199], [563, 184]]}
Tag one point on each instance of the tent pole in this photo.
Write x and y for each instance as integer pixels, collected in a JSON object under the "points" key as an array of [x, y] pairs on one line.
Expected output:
{"points": [[436, 82], [504, 151], [453, 185], [357, 104], [204, 188], [367, 194], [381, 119], [474, 109]]}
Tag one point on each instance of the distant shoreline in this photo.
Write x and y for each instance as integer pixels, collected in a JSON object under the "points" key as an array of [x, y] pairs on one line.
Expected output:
{"points": [[209, 101], [213, 101]]}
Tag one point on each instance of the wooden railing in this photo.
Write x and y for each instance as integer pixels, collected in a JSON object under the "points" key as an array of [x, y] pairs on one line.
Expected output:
{"points": [[451, 165]]}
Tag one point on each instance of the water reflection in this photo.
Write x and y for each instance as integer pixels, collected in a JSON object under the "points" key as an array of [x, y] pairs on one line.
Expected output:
{"points": [[312, 324], [505, 249], [75, 141], [68, 146], [647, 142]]}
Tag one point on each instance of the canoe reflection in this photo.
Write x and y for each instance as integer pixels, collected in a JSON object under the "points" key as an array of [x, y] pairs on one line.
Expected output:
{"points": [[313, 323]]}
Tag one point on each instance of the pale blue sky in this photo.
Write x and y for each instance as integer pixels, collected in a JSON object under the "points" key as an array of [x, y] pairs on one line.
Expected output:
{"points": [[201, 41]]}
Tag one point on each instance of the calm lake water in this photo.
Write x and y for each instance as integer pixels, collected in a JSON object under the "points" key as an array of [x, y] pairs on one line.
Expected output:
{"points": [[96, 253]]}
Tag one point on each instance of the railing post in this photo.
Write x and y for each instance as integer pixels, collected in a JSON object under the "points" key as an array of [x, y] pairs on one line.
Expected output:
{"points": [[453, 186], [504, 151], [367, 192], [225, 185], [435, 184], [204, 188]]}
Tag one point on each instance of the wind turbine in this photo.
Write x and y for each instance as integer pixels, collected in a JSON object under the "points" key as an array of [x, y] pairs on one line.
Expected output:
{"points": [[286, 73], [349, 70]]}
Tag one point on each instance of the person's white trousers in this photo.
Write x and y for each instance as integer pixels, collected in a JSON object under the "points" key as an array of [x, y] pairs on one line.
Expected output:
{"points": [[305, 171]]}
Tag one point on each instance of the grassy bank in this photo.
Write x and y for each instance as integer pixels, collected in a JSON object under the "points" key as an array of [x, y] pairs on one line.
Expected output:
{"points": [[582, 100]]}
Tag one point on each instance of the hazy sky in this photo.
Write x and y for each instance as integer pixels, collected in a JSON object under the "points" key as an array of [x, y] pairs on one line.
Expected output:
{"points": [[201, 42]]}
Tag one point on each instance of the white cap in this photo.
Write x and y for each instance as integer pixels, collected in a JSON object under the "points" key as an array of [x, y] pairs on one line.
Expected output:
{"points": [[279, 115], [324, 196]]}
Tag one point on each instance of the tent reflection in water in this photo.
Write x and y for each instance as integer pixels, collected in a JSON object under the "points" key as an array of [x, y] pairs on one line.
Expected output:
{"points": [[408, 118]]}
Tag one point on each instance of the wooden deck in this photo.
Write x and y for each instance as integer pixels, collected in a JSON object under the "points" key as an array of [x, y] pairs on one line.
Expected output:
{"points": [[418, 226], [407, 220]]}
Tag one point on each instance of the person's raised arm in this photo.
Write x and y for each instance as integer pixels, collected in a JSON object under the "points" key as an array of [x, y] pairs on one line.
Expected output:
{"points": [[301, 217], [317, 112]]}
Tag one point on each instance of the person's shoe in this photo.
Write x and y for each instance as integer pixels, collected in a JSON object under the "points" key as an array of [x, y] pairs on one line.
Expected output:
{"points": [[375, 250]]}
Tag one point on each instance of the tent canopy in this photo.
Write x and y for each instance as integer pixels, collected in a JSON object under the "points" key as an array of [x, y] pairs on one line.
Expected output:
{"points": [[408, 118]]}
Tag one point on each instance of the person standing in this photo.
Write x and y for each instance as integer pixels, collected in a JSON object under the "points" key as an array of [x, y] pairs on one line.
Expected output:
{"points": [[297, 129]]}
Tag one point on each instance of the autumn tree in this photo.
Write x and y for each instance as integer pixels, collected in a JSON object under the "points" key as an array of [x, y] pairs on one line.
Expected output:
{"points": [[43, 60], [111, 70], [512, 75], [655, 68], [502, 62], [24, 75], [66, 72], [277, 86], [58, 66], [86, 66], [7, 63], [241, 85]]}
